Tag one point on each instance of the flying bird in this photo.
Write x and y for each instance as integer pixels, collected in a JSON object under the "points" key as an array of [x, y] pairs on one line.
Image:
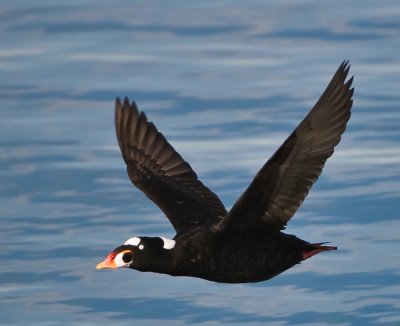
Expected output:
{"points": [[245, 244]]}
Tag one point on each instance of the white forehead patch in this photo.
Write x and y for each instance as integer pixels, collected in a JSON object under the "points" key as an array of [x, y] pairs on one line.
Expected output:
{"points": [[168, 243], [133, 241]]}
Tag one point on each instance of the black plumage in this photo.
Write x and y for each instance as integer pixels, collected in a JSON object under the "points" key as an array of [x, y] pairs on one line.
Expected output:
{"points": [[245, 244]]}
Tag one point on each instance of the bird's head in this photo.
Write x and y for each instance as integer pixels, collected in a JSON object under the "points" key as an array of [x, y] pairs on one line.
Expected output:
{"points": [[135, 251]]}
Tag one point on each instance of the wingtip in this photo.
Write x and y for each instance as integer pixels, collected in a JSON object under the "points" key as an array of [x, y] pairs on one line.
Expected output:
{"points": [[342, 74], [345, 64], [125, 103], [349, 84], [346, 67]]}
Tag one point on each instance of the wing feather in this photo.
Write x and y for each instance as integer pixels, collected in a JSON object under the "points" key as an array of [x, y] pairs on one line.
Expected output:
{"points": [[161, 173], [280, 187]]}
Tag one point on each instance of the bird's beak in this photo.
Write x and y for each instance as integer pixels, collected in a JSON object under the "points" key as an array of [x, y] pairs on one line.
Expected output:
{"points": [[108, 262]]}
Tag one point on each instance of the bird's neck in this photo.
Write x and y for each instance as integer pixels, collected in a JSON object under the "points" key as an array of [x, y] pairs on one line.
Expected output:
{"points": [[161, 261]]}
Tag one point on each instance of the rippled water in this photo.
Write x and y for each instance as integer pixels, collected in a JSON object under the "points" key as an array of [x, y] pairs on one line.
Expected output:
{"points": [[226, 81]]}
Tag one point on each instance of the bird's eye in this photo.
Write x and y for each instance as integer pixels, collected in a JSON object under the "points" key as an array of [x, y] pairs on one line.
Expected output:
{"points": [[127, 257]]}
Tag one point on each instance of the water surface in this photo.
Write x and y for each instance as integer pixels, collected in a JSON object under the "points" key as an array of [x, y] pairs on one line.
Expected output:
{"points": [[226, 81]]}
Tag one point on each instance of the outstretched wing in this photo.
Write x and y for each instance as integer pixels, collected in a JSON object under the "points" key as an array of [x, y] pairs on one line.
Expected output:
{"points": [[281, 185], [161, 173]]}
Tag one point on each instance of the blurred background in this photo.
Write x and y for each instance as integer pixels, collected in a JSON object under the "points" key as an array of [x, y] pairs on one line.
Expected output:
{"points": [[226, 82]]}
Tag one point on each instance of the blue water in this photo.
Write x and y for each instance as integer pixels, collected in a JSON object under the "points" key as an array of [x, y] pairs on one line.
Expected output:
{"points": [[226, 81]]}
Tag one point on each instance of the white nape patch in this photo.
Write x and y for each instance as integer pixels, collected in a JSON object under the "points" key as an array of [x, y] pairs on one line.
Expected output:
{"points": [[168, 243], [133, 241]]}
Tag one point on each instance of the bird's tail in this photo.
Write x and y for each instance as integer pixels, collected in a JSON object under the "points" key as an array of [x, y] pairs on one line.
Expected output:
{"points": [[315, 248]]}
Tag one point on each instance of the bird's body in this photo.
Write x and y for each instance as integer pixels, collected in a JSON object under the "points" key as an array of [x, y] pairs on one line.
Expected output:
{"points": [[245, 244], [237, 257]]}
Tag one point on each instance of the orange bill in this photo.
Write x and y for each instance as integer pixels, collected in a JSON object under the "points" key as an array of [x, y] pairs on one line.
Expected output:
{"points": [[108, 262]]}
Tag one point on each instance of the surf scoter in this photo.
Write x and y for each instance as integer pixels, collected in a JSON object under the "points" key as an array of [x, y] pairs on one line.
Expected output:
{"points": [[245, 244]]}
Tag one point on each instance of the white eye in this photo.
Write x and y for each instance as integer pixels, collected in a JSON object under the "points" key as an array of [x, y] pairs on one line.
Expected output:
{"points": [[123, 259], [141, 247]]}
